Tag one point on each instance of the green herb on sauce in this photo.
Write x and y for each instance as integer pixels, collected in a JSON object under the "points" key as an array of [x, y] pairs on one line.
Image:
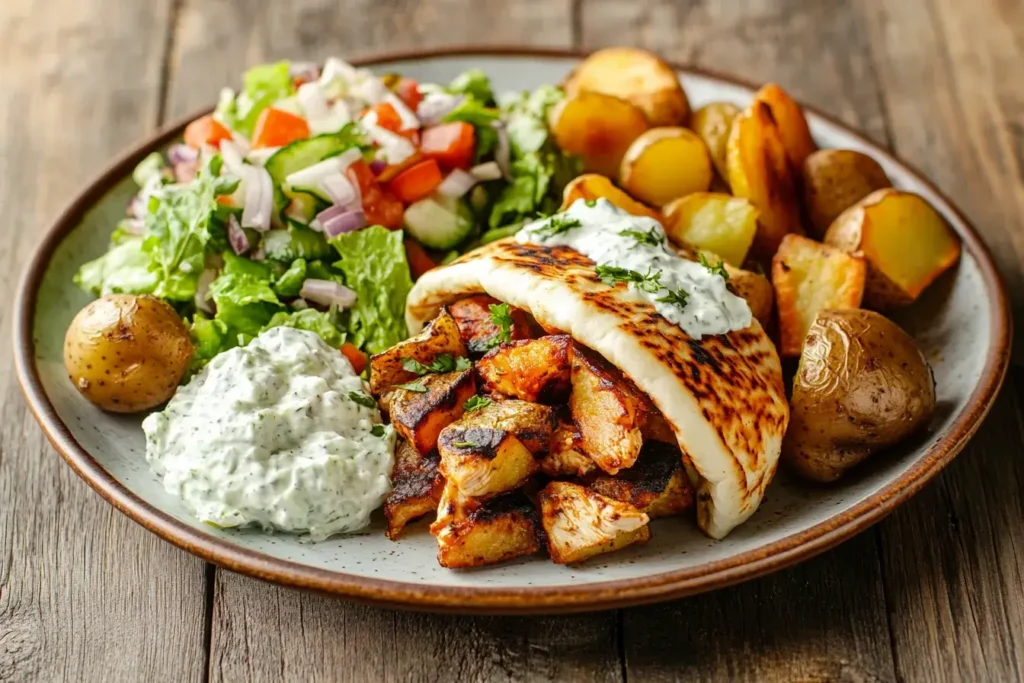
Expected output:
{"points": [[714, 270], [649, 282], [362, 399], [557, 225], [648, 237], [476, 403], [677, 297], [378, 430]]}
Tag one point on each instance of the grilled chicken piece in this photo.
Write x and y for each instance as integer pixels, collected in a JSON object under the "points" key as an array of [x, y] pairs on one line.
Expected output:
{"points": [[491, 450], [440, 337], [656, 484], [580, 523], [477, 328], [530, 369], [565, 458], [416, 488], [419, 416], [474, 533]]}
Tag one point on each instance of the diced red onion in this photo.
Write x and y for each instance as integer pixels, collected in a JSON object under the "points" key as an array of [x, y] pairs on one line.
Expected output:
{"points": [[179, 153], [237, 237], [339, 189], [488, 170], [435, 106], [456, 184], [185, 172], [378, 166], [327, 293], [202, 298], [259, 198], [349, 221], [503, 152]]}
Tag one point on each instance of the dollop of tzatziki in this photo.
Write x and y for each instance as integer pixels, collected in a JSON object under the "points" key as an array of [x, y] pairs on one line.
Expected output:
{"points": [[280, 434], [632, 249]]}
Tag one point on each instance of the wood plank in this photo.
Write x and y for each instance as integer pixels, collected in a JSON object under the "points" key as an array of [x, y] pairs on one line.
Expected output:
{"points": [[85, 594]]}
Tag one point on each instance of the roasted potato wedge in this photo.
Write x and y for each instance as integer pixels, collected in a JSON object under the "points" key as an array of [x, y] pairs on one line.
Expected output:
{"points": [[656, 484], [590, 186], [635, 75], [534, 370], [715, 222], [127, 353], [596, 127], [836, 179], [712, 123], [474, 533], [789, 119], [759, 170], [664, 164], [580, 523], [862, 385], [906, 242], [416, 487], [441, 336], [810, 277], [477, 328], [565, 458], [419, 417]]}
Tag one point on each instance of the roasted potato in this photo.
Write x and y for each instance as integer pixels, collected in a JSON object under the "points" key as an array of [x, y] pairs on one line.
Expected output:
{"points": [[664, 164], [416, 487], [906, 242], [596, 127], [715, 222], [656, 484], [590, 186], [580, 523], [419, 416], [635, 75], [440, 337], [836, 179], [862, 385], [477, 328], [127, 353], [474, 533], [790, 121], [712, 123], [534, 370], [565, 458], [759, 170], [810, 277]]}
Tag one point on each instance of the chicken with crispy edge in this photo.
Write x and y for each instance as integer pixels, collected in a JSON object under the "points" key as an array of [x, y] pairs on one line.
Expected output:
{"points": [[440, 337], [534, 370], [580, 523], [565, 458], [420, 416], [476, 323], [655, 484], [416, 487]]}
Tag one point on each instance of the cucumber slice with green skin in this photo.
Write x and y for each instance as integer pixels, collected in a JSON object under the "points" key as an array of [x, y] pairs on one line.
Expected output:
{"points": [[295, 242], [303, 154], [302, 208], [438, 222]]}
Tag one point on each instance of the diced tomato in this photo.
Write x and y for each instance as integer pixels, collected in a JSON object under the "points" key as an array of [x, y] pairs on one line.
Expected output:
{"points": [[205, 130], [451, 144], [277, 128], [408, 91], [419, 260], [391, 170], [380, 206], [356, 357], [417, 181]]}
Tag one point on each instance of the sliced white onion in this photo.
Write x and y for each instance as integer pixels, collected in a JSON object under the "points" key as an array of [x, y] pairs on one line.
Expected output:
{"points": [[406, 115], [337, 69], [394, 149], [347, 221], [232, 155], [503, 152], [259, 157], [339, 189], [202, 297], [243, 144], [236, 236], [313, 100], [456, 184], [489, 170], [307, 71], [435, 105], [312, 176], [327, 293], [300, 305], [259, 198]]}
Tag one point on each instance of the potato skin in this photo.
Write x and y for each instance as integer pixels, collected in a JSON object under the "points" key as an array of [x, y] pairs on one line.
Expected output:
{"points": [[862, 385], [836, 179], [127, 353]]}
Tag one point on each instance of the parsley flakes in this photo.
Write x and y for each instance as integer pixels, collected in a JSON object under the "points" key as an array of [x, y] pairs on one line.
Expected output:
{"points": [[362, 399], [378, 430], [416, 387], [476, 403], [714, 270], [443, 363], [501, 316], [649, 282], [650, 238], [556, 225]]}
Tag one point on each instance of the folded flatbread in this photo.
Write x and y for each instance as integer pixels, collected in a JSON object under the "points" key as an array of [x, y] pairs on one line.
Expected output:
{"points": [[722, 394]]}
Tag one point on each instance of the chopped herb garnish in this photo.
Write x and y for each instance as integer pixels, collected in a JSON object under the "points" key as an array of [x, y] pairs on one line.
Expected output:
{"points": [[714, 270], [650, 237], [590, 202], [377, 430], [675, 296], [416, 386], [476, 403], [443, 363], [362, 399], [649, 282], [556, 225], [464, 444], [502, 317]]}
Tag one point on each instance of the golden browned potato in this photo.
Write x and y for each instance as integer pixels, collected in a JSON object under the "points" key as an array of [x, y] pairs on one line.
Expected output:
{"points": [[836, 179], [789, 119], [656, 484], [862, 385], [580, 523], [565, 458], [441, 337], [712, 123], [474, 533], [759, 170], [534, 370], [419, 416], [664, 164], [590, 186], [810, 277], [596, 127], [714, 222], [635, 75], [127, 353], [906, 242], [476, 323], [416, 488]]}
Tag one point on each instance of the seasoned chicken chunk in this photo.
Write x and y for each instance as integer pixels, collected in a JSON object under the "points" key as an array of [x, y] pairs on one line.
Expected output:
{"points": [[419, 416], [440, 338], [416, 487], [477, 325], [565, 458], [531, 369], [655, 484], [580, 523]]}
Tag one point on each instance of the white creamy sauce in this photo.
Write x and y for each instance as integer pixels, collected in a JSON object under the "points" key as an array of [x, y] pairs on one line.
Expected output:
{"points": [[273, 434], [597, 233]]}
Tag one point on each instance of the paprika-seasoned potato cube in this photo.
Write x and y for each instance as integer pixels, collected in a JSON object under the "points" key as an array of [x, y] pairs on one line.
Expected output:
{"points": [[474, 533], [715, 222], [789, 119], [565, 458], [476, 323], [419, 416], [597, 128], [590, 186], [440, 337], [580, 523], [712, 123], [534, 370], [656, 484], [664, 164], [416, 487]]}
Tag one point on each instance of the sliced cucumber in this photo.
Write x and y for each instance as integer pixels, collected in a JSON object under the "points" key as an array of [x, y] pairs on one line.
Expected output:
{"points": [[303, 154], [302, 209], [438, 222], [295, 242]]}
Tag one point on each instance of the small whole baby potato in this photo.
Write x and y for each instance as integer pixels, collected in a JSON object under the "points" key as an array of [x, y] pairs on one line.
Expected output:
{"points": [[836, 179], [127, 353], [862, 385]]}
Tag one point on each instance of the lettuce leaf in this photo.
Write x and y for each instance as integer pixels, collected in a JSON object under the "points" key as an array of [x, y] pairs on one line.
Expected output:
{"points": [[262, 87], [210, 337], [473, 83], [481, 117], [290, 281], [375, 268], [323, 324], [122, 270], [242, 293]]}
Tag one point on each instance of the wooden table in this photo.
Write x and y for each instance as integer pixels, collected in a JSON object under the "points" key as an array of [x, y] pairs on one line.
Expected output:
{"points": [[935, 592]]}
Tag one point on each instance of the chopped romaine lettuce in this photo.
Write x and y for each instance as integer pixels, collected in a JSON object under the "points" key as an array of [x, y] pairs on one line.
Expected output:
{"points": [[311, 320], [263, 86], [149, 167], [242, 293], [210, 337], [294, 243], [122, 270], [290, 281], [473, 83]]}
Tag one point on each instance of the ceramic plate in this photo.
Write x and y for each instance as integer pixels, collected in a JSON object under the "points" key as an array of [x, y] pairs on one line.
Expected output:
{"points": [[961, 322]]}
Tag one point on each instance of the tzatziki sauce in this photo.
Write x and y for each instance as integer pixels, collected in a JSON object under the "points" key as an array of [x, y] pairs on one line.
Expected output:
{"points": [[632, 249], [280, 434]]}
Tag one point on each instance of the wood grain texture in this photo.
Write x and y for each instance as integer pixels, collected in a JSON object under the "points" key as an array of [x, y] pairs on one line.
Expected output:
{"points": [[85, 594]]}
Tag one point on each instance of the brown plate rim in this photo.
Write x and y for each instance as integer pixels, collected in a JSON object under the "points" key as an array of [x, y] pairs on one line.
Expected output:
{"points": [[603, 595]]}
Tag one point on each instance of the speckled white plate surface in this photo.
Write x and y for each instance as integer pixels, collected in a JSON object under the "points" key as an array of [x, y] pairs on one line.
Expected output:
{"points": [[961, 322]]}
